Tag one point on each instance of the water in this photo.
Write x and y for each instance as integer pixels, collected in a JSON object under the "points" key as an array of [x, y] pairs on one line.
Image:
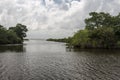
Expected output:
{"points": [[43, 60]]}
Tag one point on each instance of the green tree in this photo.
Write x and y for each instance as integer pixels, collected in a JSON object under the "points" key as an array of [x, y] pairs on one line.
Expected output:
{"points": [[102, 30], [116, 25], [20, 30], [98, 20], [103, 37], [1, 26], [13, 38], [81, 39], [3, 35], [14, 35]]}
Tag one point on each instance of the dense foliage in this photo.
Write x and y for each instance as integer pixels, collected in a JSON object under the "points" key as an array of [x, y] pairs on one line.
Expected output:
{"points": [[102, 30], [13, 35]]}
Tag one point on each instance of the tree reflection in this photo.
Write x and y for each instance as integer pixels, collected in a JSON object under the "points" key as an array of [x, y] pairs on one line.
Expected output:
{"points": [[98, 51], [12, 48]]}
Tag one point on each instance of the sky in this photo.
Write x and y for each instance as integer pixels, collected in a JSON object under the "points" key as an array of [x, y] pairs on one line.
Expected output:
{"points": [[52, 18]]}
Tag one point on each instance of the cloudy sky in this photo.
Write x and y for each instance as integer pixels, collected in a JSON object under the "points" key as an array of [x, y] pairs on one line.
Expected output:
{"points": [[52, 18]]}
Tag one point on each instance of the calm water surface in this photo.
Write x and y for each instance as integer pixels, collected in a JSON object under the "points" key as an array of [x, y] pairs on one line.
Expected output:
{"points": [[43, 60]]}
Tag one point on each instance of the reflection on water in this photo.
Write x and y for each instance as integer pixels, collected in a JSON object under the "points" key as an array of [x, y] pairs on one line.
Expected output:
{"points": [[98, 51], [12, 48], [44, 60]]}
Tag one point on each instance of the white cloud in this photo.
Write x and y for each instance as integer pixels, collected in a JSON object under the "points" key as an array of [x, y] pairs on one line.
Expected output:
{"points": [[52, 18]]}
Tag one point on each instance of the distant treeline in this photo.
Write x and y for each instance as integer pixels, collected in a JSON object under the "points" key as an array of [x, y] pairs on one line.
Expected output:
{"points": [[13, 35], [102, 30], [66, 40]]}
